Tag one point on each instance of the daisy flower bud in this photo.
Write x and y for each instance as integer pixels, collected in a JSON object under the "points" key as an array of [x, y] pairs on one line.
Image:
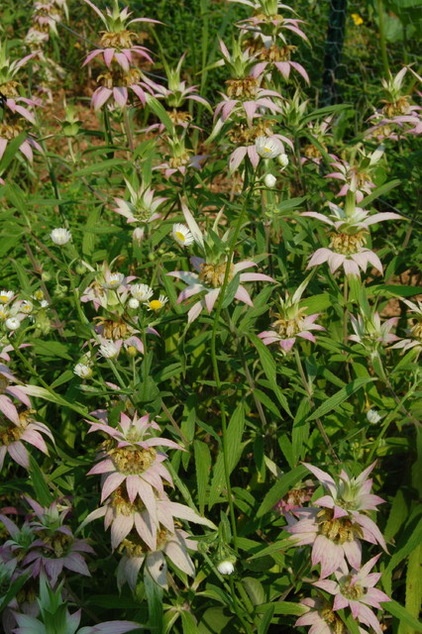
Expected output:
{"points": [[133, 303], [60, 236], [182, 235], [270, 181], [12, 323], [82, 371], [283, 159]]}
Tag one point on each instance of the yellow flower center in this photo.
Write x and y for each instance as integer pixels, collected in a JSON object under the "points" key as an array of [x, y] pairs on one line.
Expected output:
{"points": [[155, 304], [339, 530], [416, 330], [132, 460], [348, 244], [122, 39], [244, 88], [214, 274]]}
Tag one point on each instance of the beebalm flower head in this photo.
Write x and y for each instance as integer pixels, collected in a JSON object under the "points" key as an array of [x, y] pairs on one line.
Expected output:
{"points": [[291, 322], [322, 618], [132, 458], [213, 271], [338, 521], [116, 43], [60, 236], [347, 241], [370, 332], [142, 205], [356, 590], [17, 429], [415, 330]]}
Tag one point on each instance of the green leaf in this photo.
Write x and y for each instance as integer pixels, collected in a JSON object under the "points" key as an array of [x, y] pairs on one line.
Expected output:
{"points": [[379, 191], [281, 487], [234, 451], [188, 623], [160, 112], [282, 607], [202, 466], [43, 495], [403, 615], [413, 588], [412, 541], [270, 370], [342, 395], [51, 350], [300, 431]]}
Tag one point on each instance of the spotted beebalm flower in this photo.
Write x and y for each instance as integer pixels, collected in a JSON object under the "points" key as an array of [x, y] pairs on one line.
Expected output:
{"points": [[116, 43], [133, 459], [109, 289], [357, 174], [291, 322], [11, 387], [369, 331], [338, 521], [415, 330], [17, 429], [211, 274], [322, 618], [355, 590], [55, 547], [142, 206], [172, 546], [123, 516], [347, 241]]}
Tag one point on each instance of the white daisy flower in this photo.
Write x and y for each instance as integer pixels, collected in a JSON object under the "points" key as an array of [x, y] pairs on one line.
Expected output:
{"points": [[182, 235], [60, 236]]}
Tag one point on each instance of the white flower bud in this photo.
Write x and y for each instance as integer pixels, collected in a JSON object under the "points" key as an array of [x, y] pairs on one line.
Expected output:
{"points": [[283, 159], [270, 181], [133, 303], [60, 236], [109, 350], [82, 371], [373, 417], [225, 567], [12, 323]]}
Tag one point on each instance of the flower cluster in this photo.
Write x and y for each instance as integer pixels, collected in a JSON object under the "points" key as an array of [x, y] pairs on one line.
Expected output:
{"points": [[291, 322], [335, 525], [119, 54], [136, 506], [347, 246], [17, 110], [123, 321], [213, 271]]}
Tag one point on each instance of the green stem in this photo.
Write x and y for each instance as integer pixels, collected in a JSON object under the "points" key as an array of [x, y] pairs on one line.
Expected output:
{"points": [[308, 388], [217, 372], [383, 41]]}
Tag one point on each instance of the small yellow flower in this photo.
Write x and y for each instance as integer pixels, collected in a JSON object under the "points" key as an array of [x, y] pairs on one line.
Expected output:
{"points": [[357, 19]]}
